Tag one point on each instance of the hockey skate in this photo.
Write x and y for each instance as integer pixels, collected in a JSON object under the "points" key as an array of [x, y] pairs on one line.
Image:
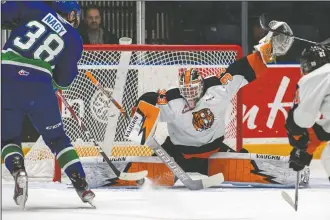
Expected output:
{"points": [[86, 195], [21, 182]]}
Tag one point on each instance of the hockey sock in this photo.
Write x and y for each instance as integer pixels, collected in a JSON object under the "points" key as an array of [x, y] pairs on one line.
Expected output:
{"points": [[8, 152], [69, 161]]}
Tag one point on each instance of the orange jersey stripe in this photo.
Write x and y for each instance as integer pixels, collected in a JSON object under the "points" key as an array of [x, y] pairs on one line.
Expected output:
{"points": [[257, 64], [187, 75], [314, 142]]}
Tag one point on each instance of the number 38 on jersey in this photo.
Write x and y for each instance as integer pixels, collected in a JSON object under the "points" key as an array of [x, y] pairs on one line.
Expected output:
{"points": [[45, 47]]}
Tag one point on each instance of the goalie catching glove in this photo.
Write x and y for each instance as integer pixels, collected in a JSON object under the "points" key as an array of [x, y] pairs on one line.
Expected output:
{"points": [[274, 44]]}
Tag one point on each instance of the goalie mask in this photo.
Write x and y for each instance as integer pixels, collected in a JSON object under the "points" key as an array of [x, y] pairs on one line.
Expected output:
{"points": [[313, 58], [191, 85]]}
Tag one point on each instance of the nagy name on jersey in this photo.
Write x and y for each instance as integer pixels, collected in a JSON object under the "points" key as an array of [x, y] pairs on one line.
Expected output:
{"points": [[52, 22]]}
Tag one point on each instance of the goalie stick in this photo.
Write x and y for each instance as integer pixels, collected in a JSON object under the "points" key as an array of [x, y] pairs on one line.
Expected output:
{"points": [[287, 197], [120, 175], [180, 173], [162, 154], [264, 23]]}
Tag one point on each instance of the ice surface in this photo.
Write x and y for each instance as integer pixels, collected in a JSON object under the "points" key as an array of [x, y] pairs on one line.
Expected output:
{"points": [[53, 201]]}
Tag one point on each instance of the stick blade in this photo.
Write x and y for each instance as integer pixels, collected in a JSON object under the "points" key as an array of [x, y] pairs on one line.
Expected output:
{"points": [[133, 176], [213, 180], [264, 21], [289, 200]]}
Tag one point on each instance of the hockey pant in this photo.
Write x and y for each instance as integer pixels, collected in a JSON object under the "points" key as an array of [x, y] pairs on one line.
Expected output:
{"points": [[31, 94], [194, 159]]}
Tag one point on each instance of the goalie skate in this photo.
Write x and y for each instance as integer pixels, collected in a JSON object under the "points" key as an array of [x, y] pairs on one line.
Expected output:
{"points": [[21, 183]]}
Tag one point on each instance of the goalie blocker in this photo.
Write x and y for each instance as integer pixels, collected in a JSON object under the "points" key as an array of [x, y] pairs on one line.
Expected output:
{"points": [[143, 123]]}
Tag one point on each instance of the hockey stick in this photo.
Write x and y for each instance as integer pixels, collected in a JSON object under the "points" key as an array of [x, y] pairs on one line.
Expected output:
{"points": [[163, 155], [288, 199], [121, 175], [264, 23], [107, 94]]}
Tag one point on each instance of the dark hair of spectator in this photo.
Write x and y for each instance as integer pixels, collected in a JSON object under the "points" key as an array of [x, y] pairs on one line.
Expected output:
{"points": [[92, 8]]}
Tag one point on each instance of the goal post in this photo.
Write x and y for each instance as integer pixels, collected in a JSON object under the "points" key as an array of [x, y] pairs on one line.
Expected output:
{"points": [[128, 71]]}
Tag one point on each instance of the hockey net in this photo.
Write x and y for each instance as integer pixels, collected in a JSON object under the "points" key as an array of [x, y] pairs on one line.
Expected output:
{"points": [[128, 71]]}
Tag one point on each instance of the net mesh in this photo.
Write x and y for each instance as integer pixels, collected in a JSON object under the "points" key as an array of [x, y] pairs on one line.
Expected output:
{"points": [[127, 74]]}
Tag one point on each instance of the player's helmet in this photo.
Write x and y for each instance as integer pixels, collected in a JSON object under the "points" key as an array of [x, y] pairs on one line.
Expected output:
{"points": [[191, 84], [314, 57], [66, 7]]}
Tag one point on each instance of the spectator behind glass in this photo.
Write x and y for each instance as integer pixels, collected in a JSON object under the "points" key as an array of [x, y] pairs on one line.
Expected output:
{"points": [[93, 33]]}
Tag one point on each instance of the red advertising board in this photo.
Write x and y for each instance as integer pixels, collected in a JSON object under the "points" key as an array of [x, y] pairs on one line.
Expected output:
{"points": [[267, 100]]}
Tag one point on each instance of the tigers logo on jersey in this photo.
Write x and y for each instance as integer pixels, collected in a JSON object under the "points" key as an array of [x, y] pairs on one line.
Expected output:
{"points": [[203, 119]]}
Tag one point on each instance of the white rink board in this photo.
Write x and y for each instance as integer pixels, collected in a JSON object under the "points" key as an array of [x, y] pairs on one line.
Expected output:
{"points": [[53, 201]]}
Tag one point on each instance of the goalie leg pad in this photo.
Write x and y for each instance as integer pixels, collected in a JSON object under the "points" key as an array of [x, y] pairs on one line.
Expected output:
{"points": [[264, 169]]}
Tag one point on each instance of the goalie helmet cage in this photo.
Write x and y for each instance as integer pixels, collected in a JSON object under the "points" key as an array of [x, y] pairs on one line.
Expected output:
{"points": [[128, 71]]}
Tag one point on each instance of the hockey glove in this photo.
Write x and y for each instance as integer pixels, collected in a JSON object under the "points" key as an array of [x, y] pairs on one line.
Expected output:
{"points": [[299, 159], [57, 87], [274, 44], [299, 141]]}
